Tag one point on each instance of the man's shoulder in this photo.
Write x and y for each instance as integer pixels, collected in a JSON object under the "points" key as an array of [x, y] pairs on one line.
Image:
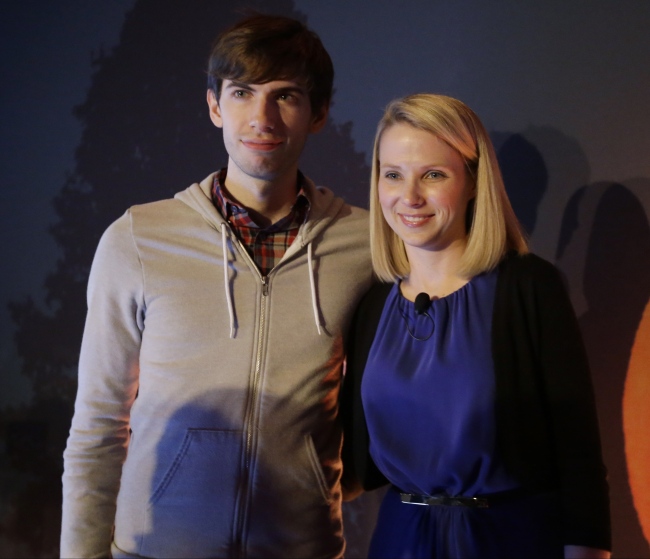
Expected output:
{"points": [[328, 202], [149, 214], [354, 213], [347, 219], [324, 197], [153, 208], [357, 211], [187, 201]]}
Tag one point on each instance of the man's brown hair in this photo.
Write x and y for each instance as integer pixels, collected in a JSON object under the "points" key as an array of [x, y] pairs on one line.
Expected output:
{"points": [[264, 48]]}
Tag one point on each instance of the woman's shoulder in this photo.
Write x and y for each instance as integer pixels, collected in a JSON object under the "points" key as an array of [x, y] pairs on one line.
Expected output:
{"points": [[530, 275], [377, 294], [529, 266], [372, 303]]}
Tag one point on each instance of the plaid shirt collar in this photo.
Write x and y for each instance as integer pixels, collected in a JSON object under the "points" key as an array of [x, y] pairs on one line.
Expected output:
{"points": [[266, 245], [238, 216]]}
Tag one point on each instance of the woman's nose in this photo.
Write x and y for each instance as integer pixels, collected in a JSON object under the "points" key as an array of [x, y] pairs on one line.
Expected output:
{"points": [[412, 195]]}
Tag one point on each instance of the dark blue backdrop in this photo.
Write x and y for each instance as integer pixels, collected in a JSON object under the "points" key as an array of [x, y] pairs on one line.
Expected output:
{"points": [[102, 106]]}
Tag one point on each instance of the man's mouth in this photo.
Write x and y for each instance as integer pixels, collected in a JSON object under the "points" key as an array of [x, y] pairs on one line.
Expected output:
{"points": [[262, 145]]}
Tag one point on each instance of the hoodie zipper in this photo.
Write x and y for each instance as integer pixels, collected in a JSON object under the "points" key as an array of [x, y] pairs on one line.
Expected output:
{"points": [[250, 413]]}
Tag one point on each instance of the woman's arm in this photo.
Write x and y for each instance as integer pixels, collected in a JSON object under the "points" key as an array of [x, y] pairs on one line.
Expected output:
{"points": [[581, 552], [547, 397]]}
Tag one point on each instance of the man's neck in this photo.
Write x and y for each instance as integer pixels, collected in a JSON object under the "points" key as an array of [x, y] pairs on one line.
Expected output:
{"points": [[266, 201]]}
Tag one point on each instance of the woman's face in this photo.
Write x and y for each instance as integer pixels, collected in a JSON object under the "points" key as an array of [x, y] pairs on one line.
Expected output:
{"points": [[423, 188]]}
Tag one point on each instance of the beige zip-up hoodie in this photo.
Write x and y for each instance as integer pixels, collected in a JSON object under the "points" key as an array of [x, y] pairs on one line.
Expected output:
{"points": [[206, 417]]}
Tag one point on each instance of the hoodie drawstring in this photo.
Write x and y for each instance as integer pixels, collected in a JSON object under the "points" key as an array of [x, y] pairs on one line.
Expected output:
{"points": [[231, 312], [312, 283], [226, 280]]}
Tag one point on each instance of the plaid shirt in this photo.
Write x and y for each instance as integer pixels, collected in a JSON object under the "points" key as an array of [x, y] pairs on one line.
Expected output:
{"points": [[266, 246]]}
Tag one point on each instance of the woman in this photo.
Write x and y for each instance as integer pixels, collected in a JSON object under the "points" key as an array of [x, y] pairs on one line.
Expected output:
{"points": [[476, 401]]}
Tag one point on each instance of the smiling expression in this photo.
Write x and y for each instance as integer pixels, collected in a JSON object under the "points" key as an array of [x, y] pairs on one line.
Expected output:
{"points": [[423, 188], [265, 127]]}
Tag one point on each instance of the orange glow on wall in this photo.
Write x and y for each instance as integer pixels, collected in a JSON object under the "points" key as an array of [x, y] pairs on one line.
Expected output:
{"points": [[636, 422]]}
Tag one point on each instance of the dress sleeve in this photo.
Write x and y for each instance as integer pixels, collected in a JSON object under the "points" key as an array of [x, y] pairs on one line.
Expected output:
{"points": [[107, 387], [571, 411]]}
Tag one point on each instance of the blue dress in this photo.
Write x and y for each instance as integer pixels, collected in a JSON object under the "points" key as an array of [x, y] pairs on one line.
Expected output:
{"points": [[429, 407]]}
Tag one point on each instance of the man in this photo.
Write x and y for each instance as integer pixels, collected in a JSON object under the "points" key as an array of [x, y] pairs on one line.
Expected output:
{"points": [[213, 342]]}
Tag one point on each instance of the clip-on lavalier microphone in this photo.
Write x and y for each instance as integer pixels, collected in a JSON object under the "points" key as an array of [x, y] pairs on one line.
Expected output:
{"points": [[421, 305]]}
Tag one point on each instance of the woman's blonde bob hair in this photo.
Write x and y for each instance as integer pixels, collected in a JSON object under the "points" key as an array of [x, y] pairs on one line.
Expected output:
{"points": [[492, 227]]}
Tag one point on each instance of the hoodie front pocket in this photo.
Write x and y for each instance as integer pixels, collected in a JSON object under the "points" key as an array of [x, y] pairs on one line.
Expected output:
{"points": [[317, 469], [192, 508]]}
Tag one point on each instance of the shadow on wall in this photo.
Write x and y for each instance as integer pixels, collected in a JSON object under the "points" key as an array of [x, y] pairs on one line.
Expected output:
{"points": [[558, 167], [146, 135], [524, 175], [599, 237], [605, 243]]}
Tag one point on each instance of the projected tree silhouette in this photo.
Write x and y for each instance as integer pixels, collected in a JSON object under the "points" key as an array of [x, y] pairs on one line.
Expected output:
{"points": [[146, 135]]}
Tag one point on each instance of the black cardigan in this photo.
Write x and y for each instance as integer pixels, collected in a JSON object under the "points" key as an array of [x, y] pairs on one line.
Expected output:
{"points": [[547, 428]]}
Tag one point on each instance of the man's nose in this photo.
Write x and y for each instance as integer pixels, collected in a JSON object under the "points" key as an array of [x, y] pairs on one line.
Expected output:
{"points": [[264, 114]]}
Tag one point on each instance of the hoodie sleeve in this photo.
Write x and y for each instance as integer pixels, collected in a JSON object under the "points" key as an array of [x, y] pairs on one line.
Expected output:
{"points": [[108, 384]]}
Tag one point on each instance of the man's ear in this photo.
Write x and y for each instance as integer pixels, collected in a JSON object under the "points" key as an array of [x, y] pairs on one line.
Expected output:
{"points": [[215, 109], [319, 119]]}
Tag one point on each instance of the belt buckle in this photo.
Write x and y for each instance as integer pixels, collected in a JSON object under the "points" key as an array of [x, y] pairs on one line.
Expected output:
{"points": [[472, 502], [444, 500]]}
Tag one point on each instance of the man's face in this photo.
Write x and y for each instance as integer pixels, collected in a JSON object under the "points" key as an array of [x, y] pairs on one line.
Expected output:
{"points": [[265, 127]]}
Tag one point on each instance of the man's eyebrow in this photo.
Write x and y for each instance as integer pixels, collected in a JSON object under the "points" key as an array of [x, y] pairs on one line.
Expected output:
{"points": [[296, 89], [239, 85], [292, 89]]}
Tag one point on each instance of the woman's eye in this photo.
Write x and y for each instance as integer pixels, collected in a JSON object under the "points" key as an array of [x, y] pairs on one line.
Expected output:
{"points": [[435, 175], [391, 176]]}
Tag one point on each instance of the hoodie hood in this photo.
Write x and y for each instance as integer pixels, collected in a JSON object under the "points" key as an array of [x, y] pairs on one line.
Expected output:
{"points": [[324, 207]]}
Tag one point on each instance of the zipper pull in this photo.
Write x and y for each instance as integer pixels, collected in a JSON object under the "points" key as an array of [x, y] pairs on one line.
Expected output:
{"points": [[265, 286]]}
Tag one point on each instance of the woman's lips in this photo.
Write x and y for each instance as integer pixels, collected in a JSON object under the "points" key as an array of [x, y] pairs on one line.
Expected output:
{"points": [[415, 220]]}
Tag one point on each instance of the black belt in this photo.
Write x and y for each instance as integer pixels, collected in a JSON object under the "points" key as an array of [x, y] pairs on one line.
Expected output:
{"points": [[444, 500], [481, 502]]}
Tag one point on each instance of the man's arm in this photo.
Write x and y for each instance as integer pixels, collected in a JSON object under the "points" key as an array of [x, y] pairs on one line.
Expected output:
{"points": [[108, 383]]}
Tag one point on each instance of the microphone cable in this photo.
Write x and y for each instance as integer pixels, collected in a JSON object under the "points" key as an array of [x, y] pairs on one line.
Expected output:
{"points": [[421, 305]]}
